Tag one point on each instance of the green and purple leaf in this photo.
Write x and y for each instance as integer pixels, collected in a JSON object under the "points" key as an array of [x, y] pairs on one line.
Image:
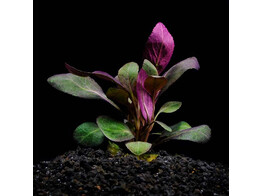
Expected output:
{"points": [[127, 75], [118, 95], [159, 47], [84, 87], [169, 107], [178, 69], [88, 134], [153, 84], [144, 99], [138, 148], [99, 74], [199, 134], [113, 129]]}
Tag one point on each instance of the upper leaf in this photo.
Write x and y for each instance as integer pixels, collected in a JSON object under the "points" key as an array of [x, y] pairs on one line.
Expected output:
{"points": [[138, 148], [144, 99], [88, 134], [149, 68], [178, 69], [169, 107], [154, 84], [114, 130], [84, 87], [127, 75], [118, 95], [159, 47], [99, 74]]}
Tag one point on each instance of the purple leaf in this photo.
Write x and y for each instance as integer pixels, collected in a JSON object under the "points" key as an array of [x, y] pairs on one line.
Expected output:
{"points": [[159, 47], [99, 74], [106, 76], [144, 99]]}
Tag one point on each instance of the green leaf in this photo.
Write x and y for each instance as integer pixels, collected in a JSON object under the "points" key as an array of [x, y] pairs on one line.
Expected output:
{"points": [[118, 95], [113, 148], [84, 87], [177, 127], [148, 157], [149, 68], [163, 125], [199, 134], [88, 134], [169, 107], [127, 75], [182, 125], [114, 130], [138, 148], [153, 84]]}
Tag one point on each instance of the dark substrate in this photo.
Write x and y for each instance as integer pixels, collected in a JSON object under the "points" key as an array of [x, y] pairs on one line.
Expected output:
{"points": [[87, 171]]}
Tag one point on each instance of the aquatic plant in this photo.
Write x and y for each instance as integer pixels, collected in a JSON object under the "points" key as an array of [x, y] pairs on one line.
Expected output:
{"points": [[134, 93]]}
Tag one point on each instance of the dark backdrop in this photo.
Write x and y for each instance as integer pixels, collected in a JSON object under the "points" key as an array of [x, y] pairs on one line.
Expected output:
{"points": [[105, 37]]}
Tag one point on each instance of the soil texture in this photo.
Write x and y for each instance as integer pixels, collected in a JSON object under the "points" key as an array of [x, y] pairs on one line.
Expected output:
{"points": [[87, 171]]}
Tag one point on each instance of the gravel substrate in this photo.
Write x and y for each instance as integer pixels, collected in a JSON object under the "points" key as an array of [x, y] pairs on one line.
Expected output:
{"points": [[86, 171]]}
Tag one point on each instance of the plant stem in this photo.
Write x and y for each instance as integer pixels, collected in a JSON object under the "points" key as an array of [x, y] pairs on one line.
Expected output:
{"points": [[135, 115], [149, 130]]}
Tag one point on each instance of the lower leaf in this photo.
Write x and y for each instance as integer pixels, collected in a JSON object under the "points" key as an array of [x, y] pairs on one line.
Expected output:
{"points": [[199, 134], [88, 134], [148, 157], [138, 148], [113, 129], [182, 125], [113, 148]]}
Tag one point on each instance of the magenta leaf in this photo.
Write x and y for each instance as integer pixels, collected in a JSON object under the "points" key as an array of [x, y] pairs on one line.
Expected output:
{"points": [[99, 74], [144, 98], [159, 47]]}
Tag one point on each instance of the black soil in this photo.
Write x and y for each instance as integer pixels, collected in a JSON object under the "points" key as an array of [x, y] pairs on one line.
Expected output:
{"points": [[86, 171]]}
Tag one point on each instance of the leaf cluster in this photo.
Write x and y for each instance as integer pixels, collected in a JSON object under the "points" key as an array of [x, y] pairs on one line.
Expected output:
{"points": [[134, 92]]}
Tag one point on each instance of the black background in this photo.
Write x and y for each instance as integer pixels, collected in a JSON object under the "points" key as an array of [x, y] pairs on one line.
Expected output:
{"points": [[105, 36]]}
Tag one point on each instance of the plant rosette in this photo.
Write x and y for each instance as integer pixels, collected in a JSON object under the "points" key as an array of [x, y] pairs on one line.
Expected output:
{"points": [[134, 93]]}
